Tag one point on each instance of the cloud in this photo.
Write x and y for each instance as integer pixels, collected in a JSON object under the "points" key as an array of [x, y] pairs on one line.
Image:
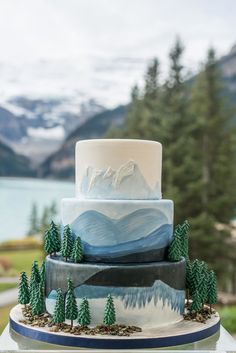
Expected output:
{"points": [[83, 44]]}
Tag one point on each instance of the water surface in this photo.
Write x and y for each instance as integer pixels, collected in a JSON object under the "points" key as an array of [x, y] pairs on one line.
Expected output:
{"points": [[17, 196]]}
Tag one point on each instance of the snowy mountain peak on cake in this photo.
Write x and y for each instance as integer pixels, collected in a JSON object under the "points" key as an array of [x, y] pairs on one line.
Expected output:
{"points": [[125, 170], [123, 183]]}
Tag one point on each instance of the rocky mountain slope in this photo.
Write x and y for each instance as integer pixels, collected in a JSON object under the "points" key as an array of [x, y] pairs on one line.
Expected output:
{"points": [[13, 164], [36, 127], [61, 163]]}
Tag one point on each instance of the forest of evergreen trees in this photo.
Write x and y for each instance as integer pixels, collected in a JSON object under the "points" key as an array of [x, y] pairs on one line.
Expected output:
{"points": [[194, 121]]}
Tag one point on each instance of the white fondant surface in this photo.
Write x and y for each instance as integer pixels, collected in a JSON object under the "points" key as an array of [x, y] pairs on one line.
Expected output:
{"points": [[150, 316], [118, 169]]}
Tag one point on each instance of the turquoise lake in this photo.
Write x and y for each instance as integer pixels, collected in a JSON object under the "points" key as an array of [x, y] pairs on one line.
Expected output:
{"points": [[17, 196]]}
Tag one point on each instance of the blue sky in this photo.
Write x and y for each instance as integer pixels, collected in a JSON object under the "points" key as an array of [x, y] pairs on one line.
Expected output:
{"points": [[90, 47]]}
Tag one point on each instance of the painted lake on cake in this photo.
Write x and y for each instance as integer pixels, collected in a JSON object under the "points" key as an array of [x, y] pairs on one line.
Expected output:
{"points": [[17, 196]]}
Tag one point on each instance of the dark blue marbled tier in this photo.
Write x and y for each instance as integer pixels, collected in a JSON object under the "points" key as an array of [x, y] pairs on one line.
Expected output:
{"points": [[121, 231], [146, 295]]}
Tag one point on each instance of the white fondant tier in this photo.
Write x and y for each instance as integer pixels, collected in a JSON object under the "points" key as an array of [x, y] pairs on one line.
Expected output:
{"points": [[118, 169], [121, 230]]}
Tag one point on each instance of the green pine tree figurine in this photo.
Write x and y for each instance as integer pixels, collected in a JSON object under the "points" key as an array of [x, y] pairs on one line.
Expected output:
{"points": [[42, 273], [184, 237], [52, 241], [175, 249], [59, 310], [38, 304], [34, 280], [84, 317], [77, 251], [110, 313], [23, 293], [188, 281], [67, 243], [203, 284], [211, 289], [196, 274], [71, 305], [196, 301]]}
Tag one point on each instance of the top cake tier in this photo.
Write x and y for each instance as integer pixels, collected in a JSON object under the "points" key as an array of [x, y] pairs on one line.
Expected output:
{"points": [[118, 169]]}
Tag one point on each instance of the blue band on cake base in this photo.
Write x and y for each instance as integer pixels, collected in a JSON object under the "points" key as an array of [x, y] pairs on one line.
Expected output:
{"points": [[121, 231], [113, 342]]}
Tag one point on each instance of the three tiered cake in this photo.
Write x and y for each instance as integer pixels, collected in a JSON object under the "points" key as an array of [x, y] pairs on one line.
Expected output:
{"points": [[125, 228]]}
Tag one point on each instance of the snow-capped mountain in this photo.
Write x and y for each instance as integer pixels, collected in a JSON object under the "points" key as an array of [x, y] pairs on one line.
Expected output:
{"points": [[36, 127]]}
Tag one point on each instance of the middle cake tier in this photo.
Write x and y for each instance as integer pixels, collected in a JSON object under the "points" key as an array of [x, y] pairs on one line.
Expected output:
{"points": [[120, 231]]}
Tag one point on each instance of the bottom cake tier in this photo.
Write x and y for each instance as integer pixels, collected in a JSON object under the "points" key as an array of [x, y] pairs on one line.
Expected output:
{"points": [[144, 295]]}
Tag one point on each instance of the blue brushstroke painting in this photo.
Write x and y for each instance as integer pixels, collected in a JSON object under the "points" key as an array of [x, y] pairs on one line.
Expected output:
{"points": [[137, 297], [142, 229]]}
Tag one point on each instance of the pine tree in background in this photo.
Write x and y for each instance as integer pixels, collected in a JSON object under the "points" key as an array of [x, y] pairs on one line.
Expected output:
{"points": [[23, 292], [38, 304], [71, 311], [59, 310], [84, 318], [67, 243], [193, 121], [77, 251], [211, 289], [196, 301], [109, 314], [175, 248], [176, 137], [34, 221], [213, 152]]}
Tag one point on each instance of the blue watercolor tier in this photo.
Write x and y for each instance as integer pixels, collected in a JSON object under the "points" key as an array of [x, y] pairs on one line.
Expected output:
{"points": [[120, 231], [146, 295]]}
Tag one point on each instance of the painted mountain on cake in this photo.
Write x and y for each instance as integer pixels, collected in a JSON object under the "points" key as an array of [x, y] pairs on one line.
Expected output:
{"points": [[140, 231], [137, 297], [118, 184]]}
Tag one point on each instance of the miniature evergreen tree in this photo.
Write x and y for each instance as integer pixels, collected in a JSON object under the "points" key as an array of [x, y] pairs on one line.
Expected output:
{"points": [[71, 305], [34, 280], [188, 281], [38, 304], [175, 249], [211, 289], [196, 301], [203, 284], [23, 293], [196, 274], [109, 314], [67, 243], [84, 317], [59, 310], [52, 241], [77, 251], [184, 238], [42, 273]]}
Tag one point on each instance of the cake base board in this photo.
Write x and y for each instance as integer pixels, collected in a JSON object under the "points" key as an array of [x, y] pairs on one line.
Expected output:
{"points": [[179, 333]]}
